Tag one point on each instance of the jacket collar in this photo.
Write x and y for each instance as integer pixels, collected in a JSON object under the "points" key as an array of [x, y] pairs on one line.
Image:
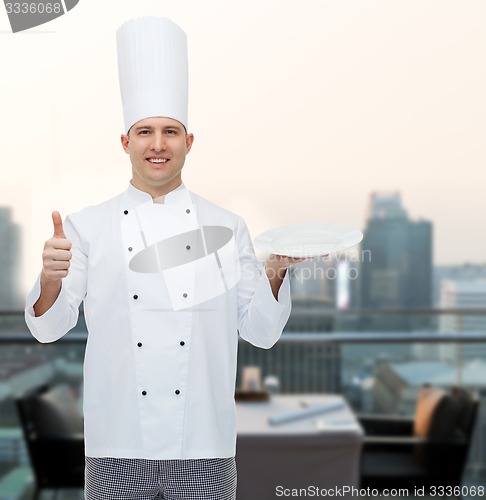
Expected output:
{"points": [[173, 196]]}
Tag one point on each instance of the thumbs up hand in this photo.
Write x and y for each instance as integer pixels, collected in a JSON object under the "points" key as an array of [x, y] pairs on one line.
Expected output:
{"points": [[56, 256]]}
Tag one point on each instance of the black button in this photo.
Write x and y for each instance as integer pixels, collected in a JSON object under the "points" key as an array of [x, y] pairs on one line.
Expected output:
{"points": [[177, 391], [130, 249], [135, 297], [125, 212], [144, 393], [188, 247], [139, 344], [182, 342], [188, 211], [184, 295]]}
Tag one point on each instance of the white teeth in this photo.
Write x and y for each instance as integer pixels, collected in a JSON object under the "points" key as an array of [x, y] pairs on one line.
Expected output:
{"points": [[157, 160]]}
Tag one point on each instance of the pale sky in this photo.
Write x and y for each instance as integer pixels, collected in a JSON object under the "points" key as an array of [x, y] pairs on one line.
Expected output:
{"points": [[299, 110]]}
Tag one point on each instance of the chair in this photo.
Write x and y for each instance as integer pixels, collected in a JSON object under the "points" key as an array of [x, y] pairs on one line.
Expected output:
{"points": [[53, 430], [428, 450]]}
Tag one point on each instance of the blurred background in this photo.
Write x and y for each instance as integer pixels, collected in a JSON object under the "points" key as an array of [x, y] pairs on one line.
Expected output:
{"points": [[368, 113]]}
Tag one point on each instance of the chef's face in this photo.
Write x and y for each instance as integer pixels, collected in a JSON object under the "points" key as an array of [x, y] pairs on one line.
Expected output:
{"points": [[157, 147]]}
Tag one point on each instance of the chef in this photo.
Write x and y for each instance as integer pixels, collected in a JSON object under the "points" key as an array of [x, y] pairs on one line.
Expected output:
{"points": [[168, 281]]}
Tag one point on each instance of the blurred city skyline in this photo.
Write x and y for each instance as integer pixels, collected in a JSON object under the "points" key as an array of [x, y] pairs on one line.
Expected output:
{"points": [[299, 114]]}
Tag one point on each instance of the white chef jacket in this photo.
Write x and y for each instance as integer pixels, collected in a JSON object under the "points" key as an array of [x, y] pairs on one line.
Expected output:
{"points": [[160, 360]]}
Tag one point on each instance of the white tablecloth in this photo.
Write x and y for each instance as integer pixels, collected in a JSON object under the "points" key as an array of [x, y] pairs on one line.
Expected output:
{"points": [[315, 453]]}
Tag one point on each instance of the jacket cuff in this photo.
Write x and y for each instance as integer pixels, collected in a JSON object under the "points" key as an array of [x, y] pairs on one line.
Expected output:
{"points": [[43, 327], [267, 305]]}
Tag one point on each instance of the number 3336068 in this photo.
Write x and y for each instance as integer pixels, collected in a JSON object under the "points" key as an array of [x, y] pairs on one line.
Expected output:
{"points": [[33, 8]]}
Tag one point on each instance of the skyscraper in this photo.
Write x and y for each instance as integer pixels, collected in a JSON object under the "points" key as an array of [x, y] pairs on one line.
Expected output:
{"points": [[469, 294], [399, 273], [10, 296], [459, 272]]}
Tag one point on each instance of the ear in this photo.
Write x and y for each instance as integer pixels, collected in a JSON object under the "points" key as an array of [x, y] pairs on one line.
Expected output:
{"points": [[124, 142], [189, 141]]}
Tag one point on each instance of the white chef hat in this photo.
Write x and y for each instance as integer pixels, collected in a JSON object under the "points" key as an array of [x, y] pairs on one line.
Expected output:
{"points": [[152, 67]]}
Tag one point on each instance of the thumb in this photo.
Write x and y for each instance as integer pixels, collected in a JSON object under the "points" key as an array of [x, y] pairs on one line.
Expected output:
{"points": [[58, 229]]}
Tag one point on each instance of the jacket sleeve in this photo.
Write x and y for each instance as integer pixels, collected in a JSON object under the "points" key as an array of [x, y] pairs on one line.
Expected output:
{"points": [[261, 318], [63, 314]]}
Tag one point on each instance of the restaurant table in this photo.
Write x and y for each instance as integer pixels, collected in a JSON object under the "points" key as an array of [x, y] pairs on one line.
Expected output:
{"points": [[320, 452]]}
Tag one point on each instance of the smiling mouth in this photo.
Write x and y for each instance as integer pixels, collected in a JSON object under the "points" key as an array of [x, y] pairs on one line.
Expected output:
{"points": [[157, 161]]}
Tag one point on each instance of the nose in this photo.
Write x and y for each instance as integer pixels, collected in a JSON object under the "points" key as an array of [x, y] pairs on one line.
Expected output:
{"points": [[158, 143]]}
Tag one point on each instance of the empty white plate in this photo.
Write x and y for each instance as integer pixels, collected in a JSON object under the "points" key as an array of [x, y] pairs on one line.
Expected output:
{"points": [[308, 240]]}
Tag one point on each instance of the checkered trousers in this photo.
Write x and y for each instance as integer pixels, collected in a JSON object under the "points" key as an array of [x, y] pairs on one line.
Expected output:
{"points": [[142, 479]]}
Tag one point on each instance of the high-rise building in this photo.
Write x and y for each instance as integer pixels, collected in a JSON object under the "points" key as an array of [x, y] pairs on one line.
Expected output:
{"points": [[10, 295], [443, 297], [463, 272], [399, 273], [469, 294]]}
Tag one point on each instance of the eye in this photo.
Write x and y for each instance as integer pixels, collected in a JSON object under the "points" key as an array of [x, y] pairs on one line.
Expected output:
{"points": [[143, 132], [171, 132]]}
